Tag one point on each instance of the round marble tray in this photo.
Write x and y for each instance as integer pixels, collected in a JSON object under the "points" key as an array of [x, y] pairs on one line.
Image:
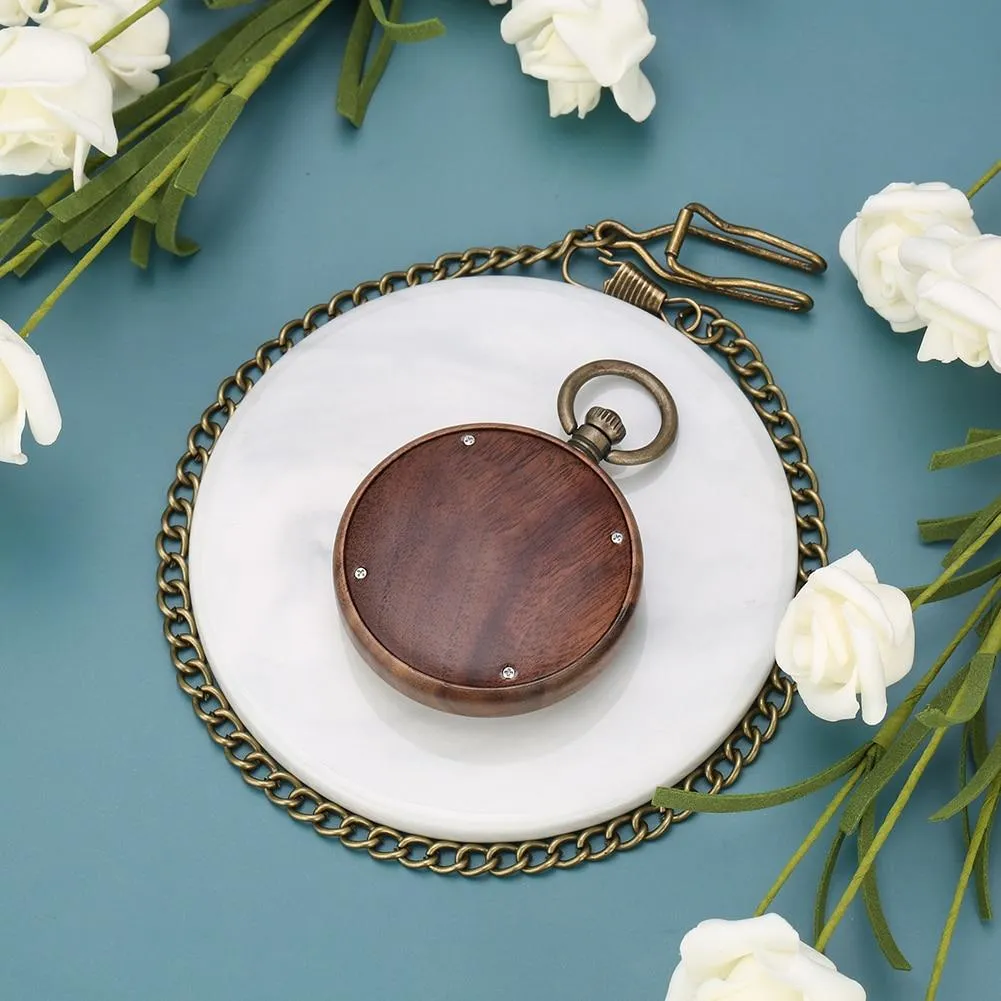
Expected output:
{"points": [[716, 519]]}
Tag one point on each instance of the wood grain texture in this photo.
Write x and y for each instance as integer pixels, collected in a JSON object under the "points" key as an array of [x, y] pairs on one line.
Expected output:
{"points": [[482, 557]]}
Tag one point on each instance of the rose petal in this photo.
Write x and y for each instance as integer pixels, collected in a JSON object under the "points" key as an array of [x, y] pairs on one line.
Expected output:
{"points": [[634, 94], [829, 702], [28, 372], [713, 946], [37, 57], [610, 41], [847, 246], [870, 680]]}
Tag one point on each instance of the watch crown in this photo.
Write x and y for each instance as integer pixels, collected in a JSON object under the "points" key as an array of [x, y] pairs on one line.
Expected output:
{"points": [[602, 428], [607, 422]]}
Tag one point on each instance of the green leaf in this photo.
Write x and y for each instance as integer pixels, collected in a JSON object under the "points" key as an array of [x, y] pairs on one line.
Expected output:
{"points": [[187, 180], [895, 755], [964, 777], [29, 262], [982, 873], [974, 743], [350, 102], [226, 4], [239, 67], [973, 531], [169, 138], [218, 127], [89, 226], [969, 698], [962, 455], [416, 31], [199, 59], [11, 206], [870, 894], [167, 221], [824, 886], [150, 210], [980, 434], [16, 229], [357, 84], [680, 799], [944, 529], [142, 242], [134, 114], [274, 15], [983, 626], [977, 841], [982, 778], [960, 584], [978, 736]]}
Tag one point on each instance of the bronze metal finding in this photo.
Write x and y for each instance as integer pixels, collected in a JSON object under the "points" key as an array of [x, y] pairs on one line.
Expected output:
{"points": [[631, 285], [603, 428]]}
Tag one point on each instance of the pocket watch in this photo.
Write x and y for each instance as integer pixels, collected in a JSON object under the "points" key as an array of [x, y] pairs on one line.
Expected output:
{"points": [[487, 569]]}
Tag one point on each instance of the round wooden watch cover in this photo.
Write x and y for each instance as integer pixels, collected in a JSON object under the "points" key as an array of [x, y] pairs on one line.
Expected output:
{"points": [[486, 569]]}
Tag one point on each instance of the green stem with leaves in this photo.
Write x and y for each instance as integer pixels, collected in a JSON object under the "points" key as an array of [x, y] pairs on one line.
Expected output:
{"points": [[109, 234], [244, 89], [811, 839], [880, 839], [987, 812]]}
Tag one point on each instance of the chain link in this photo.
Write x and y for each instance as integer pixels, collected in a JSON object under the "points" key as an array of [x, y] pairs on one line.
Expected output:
{"points": [[704, 326]]}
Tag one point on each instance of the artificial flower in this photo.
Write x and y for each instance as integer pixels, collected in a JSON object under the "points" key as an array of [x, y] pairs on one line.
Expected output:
{"points": [[758, 959], [870, 244], [132, 58], [55, 103], [846, 636], [581, 46], [14, 13], [25, 391], [957, 296]]}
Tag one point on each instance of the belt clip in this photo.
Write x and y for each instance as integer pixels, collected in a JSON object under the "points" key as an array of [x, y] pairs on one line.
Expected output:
{"points": [[635, 286]]}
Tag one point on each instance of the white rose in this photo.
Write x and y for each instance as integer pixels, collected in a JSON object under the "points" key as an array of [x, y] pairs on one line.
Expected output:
{"points": [[759, 959], [580, 46], [17, 12], [958, 296], [132, 58], [870, 244], [846, 635], [55, 103], [24, 392]]}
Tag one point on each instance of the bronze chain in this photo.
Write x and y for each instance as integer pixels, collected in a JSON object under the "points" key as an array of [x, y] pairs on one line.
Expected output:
{"points": [[703, 325]]}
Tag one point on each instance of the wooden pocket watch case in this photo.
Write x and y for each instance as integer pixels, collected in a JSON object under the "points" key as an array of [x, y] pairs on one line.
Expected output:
{"points": [[487, 569]]}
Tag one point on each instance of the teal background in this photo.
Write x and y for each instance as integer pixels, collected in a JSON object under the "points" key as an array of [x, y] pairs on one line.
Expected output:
{"points": [[133, 860]]}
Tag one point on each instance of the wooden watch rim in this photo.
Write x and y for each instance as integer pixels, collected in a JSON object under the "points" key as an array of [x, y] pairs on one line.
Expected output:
{"points": [[469, 699]]}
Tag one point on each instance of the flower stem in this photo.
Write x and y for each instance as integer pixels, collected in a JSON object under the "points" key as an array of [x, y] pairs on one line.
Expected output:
{"points": [[168, 109], [880, 839], [987, 812], [985, 180], [109, 234], [261, 70], [886, 733], [961, 560], [811, 838], [13, 263], [125, 24]]}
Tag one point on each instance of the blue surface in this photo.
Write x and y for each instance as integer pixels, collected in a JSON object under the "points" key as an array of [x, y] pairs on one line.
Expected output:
{"points": [[133, 861]]}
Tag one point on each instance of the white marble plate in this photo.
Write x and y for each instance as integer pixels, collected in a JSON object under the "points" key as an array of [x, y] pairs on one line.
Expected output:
{"points": [[716, 520]]}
